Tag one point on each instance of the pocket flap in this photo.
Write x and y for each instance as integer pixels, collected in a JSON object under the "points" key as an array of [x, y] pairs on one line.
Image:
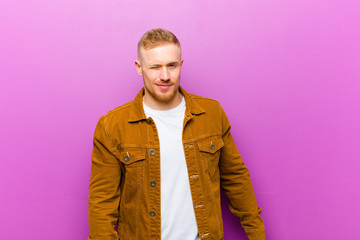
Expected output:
{"points": [[132, 154], [210, 144]]}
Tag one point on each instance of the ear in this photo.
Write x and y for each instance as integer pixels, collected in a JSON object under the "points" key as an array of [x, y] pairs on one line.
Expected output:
{"points": [[181, 63], [138, 67]]}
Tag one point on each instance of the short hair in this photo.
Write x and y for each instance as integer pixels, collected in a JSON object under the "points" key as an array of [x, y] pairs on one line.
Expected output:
{"points": [[156, 37]]}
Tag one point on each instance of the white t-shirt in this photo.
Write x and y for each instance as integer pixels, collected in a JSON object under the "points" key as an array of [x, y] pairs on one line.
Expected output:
{"points": [[177, 213]]}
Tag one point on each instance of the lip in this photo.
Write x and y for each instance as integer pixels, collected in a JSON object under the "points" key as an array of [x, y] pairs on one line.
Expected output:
{"points": [[164, 86]]}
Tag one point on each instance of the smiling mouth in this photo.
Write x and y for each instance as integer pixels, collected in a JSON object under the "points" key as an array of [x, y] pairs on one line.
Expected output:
{"points": [[164, 86]]}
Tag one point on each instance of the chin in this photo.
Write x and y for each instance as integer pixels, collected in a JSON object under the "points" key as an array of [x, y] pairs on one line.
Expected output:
{"points": [[166, 97]]}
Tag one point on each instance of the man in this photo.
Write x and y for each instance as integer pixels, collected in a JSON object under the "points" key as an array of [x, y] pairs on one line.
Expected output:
{"points": [[159, 161]]}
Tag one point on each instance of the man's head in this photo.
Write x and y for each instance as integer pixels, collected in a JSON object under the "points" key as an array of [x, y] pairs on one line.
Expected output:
{"points": [[159, 63]]}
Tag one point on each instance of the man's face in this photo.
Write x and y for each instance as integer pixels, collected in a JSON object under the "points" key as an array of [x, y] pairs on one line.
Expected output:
{"points": [[160, 68]]}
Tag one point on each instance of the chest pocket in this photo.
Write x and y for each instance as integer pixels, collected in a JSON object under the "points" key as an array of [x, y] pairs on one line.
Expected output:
{"points": [[132, 159], [210, 150]]}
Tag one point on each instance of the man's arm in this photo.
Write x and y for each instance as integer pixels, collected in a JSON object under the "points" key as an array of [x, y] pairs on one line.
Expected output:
{"points": [[104, 190], [236, 183]]}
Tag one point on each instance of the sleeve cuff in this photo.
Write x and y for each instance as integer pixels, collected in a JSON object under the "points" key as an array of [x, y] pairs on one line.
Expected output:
{"points": [[256, 235]]}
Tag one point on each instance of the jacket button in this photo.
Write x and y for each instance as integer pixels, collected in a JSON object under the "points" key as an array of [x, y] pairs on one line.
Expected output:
{"points": [[204, 235], [152, 183], [212, 147], [152, 152], [127, 157], [152, 213]]}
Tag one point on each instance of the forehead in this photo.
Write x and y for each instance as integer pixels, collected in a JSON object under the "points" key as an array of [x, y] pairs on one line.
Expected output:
{"points": [[163, 53]]}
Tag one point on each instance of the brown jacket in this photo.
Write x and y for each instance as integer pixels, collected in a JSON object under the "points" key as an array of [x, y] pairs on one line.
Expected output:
{"points": [[125, 173]]}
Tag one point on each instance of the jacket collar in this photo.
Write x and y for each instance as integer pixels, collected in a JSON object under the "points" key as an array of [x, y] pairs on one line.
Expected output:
{"points": [[137, 111]]}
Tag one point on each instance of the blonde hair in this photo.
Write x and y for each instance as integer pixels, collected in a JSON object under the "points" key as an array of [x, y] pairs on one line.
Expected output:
{"points": [[156, 37]]}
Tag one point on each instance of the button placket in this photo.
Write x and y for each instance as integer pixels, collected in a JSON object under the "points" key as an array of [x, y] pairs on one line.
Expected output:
{"points": [[194, 176], [204, 235]]}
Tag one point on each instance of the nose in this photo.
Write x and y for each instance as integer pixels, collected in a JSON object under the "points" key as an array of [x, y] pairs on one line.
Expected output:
{"points": [[164, 74]]}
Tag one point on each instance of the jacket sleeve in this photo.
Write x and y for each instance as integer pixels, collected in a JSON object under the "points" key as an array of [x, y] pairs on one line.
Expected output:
{"points": [[236, 183], [104, 189]]}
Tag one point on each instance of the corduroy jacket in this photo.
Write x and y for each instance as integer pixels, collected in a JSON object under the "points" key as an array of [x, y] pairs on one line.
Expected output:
{"points": [[124, 192]]}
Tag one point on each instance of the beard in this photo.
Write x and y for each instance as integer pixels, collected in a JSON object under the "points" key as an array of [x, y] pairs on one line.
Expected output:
{"points": [[162, 98]]}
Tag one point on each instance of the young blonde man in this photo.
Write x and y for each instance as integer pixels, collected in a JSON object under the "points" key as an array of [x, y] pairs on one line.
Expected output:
{"points": [[159, 161]]}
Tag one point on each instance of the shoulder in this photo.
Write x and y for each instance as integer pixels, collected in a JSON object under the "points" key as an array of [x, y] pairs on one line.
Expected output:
{"points": [[209, 113], [206, 103], [118, 113], [203, 99]]}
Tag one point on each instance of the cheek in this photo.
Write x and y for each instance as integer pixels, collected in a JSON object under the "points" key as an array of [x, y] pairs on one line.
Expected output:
{"points": [[150, 76], [176, 75]]}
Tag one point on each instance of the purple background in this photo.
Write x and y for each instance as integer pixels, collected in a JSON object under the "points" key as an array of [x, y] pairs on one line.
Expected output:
{"points": [[286, 72]]}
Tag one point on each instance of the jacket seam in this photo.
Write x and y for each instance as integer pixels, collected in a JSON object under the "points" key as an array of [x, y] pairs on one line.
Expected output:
{"points": [[206, 136], [126, 105], [201, 97], [115, 110], [108, 135]]}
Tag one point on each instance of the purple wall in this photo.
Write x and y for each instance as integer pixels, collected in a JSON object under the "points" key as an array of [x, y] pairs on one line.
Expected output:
{"points": [[286, 72]]}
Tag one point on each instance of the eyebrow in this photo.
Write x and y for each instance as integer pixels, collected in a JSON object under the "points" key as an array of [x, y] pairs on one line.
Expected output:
{"points": [[158, 65]]}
